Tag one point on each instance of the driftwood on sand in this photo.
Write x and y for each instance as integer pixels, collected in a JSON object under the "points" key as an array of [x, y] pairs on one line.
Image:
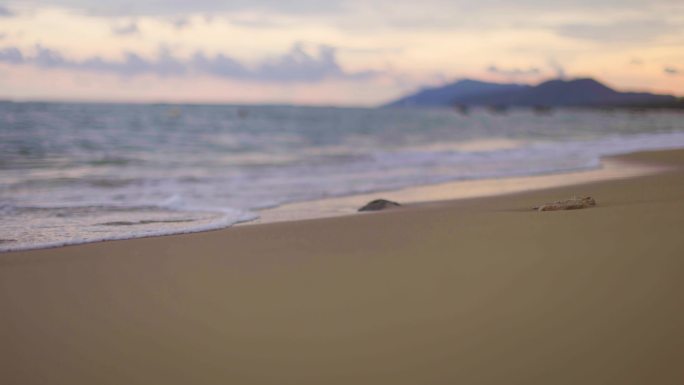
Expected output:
{"points": [[570, 204]]}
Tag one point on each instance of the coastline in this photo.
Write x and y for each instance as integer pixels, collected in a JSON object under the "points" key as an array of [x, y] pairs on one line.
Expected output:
{"points": [[479, 290], [611, 168]]}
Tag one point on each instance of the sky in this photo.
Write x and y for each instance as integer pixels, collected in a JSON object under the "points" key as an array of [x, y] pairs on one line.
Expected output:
{"points": [[334, 52]]}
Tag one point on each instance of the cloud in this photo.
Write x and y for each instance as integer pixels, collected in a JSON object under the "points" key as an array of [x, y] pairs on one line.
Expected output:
{"points": [[220, 65], [514, 72], [636, 61], [176, 7], [558, 68], [180, 22], [553, 65], [259, 21], [619, 31], [393, 50], [672, 71], [179, 7], [126, 30], [6, 12], [361, 16], [297, 65], [11, 55]]}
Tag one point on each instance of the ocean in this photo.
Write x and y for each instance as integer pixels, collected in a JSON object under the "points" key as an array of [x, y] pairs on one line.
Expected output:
{"points": [[75, 173]]}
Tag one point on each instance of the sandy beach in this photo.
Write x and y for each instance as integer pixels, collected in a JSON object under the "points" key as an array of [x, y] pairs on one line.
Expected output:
{"points": [[471, 291]]}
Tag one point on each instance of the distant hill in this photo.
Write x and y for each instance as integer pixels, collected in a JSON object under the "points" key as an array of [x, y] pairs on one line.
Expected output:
{"points": [[447, 95], [552, 93]]}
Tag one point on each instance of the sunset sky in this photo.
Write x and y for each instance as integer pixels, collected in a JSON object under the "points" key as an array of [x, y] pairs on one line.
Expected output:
{"points": [[339, 52]]}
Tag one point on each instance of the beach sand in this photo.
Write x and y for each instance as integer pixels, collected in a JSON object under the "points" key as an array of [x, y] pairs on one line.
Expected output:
{"points": [[471, 291]]}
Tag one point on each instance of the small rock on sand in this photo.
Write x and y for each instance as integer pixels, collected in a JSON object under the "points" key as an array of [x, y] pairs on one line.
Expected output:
{"points": [[379, 204]]}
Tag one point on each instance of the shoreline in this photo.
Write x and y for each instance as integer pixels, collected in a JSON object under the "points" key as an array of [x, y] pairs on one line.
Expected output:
{"points": [[610, 168], [481, 290]]}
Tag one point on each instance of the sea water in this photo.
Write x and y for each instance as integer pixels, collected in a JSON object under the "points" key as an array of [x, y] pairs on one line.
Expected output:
{"points": [[73, 173]]}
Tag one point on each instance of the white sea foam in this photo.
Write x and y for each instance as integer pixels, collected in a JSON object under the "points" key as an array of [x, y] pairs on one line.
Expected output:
{"points": [[229, 217]]}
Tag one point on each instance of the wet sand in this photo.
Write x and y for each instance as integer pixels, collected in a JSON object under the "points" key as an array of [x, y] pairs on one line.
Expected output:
{"points": [[471, 291]]}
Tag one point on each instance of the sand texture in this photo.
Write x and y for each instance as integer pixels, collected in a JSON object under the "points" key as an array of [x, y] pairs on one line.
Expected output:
{"points": [[473, 291]]}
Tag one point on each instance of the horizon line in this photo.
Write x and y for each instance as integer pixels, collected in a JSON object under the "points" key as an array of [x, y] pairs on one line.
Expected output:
{"points": [[6, 99]]}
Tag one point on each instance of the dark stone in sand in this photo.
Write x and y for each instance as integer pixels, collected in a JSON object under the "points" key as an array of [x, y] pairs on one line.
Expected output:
{"points": [[379, 204]]}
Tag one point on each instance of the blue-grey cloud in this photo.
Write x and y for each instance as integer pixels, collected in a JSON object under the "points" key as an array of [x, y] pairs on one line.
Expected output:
{"points": [[672, 71], [180, 7], [180, 22], [5, 12], [126, 29], [172, 7], [11, 55], [220, 65], [296, 65]]}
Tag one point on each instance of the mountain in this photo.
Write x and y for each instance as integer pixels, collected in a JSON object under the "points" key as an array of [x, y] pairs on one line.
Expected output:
{"points": [[552, 93], [446, 95]]}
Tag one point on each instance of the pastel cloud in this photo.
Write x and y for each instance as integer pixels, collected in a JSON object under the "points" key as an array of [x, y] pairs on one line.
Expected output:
{"points": [[126, 29], [627, 31], [514, 72]]}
